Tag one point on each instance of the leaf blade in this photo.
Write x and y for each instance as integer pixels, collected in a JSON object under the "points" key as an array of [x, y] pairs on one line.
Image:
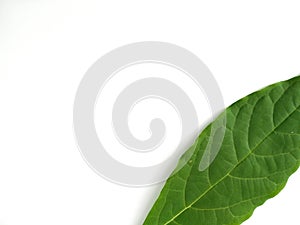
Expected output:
{"points": [[265, 123]]}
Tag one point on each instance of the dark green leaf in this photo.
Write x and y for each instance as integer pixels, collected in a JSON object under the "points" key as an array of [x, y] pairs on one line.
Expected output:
{"points": [[259, 151]]}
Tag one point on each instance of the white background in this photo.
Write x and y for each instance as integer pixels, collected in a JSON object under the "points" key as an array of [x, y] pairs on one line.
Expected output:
{"points": [[47, 46]]}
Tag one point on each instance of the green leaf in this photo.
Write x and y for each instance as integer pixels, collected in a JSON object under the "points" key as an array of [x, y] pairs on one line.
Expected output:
{"points": [[259, 151]]}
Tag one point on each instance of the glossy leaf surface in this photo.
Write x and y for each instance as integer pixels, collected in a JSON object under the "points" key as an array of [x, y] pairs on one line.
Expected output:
{"points": [[259, 151]]}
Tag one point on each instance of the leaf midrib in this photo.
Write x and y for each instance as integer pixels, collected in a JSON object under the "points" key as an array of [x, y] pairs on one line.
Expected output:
{"points": [[251, 152]]}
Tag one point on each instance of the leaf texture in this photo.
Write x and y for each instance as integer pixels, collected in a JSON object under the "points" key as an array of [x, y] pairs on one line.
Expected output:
{"points": [[259, 151]]}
